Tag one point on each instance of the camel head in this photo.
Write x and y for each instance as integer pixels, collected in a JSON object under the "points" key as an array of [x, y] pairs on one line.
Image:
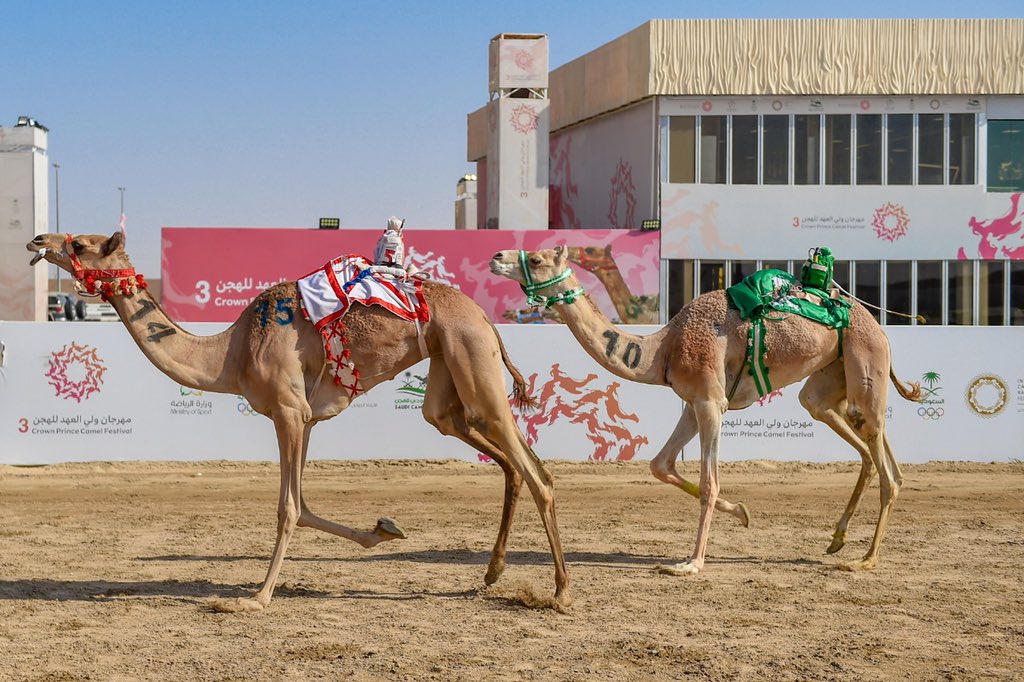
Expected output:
{"points": [[539, 271], [98, 263], [592, 258]]}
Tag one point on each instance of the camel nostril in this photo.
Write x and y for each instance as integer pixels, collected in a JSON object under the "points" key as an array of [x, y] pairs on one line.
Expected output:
{"points": [[38, 239], [499, 256]]}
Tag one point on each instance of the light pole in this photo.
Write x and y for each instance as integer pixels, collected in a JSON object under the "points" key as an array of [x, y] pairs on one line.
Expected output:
{"points": [[56, 189], [121, 219]]}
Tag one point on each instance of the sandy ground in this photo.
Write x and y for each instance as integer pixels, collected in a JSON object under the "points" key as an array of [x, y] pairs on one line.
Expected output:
{"points": [[107, 571]]}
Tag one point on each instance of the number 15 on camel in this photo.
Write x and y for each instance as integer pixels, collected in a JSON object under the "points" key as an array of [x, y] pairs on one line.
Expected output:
{"points": [[717, 359]]}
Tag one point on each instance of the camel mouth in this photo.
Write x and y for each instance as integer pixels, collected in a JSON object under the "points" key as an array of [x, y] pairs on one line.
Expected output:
{"points": [[40, 254], [498, 268]]}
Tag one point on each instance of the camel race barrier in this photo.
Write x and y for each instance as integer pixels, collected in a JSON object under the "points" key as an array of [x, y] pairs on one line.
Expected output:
{"points": [[85, 392]]}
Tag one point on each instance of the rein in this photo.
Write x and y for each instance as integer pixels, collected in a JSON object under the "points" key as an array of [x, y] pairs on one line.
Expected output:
{"points": [[530, 288], [101, 282]]}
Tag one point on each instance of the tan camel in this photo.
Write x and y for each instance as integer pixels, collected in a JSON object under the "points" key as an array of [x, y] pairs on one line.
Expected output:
{"points": [[278, 366], [632, 309], [699, 354]]}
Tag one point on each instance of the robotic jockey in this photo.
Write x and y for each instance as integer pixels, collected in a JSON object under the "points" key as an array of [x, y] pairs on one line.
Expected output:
{"points": [[390, 250]]}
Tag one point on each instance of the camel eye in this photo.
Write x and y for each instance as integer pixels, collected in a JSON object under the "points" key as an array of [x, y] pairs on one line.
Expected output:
{"points": [[78, 247], [535, 260]]}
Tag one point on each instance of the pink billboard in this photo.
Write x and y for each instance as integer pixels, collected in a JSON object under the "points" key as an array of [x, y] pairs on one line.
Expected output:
{"points": [[211, 274]]}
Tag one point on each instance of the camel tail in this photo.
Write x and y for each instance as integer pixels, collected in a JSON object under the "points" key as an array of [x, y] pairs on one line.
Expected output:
{"points": [[911, 391], [520, 395]]}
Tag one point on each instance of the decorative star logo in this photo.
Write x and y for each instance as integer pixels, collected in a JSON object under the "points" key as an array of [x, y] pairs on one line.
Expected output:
{"points": [[74, 359], [524, 119], [523, 59], [890, 222]]}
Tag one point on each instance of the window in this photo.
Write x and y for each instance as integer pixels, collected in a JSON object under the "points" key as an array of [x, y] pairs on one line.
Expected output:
{"points": [[806, 150], [740, 269], [960, 291], [930, 148], [1016, 291], [929, 291], [712, 149], [841, 274], [682, 139], [961, 149], [712, 276], [837, 149], [900, 131], [680, 285], [775, 151], [1006, 156], [869, 284], [744, 150], [869, 149], [898, 291], [991, 291]]}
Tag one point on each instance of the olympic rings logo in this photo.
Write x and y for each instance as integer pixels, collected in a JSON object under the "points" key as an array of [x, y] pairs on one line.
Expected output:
{"points": [[245, 408], [930, 412]]}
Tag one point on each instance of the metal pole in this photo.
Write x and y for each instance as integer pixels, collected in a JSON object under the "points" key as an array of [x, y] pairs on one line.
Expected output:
{"points": [[121, 190], [56, 188]]}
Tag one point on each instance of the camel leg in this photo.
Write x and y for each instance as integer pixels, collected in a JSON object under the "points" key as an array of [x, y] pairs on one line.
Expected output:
{"points": [[824, 397], [663, 466], [386, 528], [443, 409], [480, 383], [866, 410], [708, 413], [289, 425]]}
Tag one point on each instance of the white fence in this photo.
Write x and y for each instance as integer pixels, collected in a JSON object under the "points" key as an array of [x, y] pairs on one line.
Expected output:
{"points": [[84, 392]]}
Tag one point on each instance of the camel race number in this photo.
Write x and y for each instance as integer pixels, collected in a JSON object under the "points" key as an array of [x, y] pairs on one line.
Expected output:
{"points": [[283, 311], [630, 356]]}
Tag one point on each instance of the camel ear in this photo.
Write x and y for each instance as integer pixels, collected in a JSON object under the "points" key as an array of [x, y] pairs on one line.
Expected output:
{"points": [[561, 253], [116, 241]]}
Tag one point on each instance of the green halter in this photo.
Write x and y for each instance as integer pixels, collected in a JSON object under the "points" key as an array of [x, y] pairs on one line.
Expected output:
{"points": [[530, 288]]}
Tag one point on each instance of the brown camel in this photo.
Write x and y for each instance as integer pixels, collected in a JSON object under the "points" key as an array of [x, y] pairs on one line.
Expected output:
{"points": [[699, 355], [278, 367], [632, 309]]}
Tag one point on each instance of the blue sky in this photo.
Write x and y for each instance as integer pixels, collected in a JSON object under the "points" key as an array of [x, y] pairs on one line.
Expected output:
{"points": [[274, 114]]}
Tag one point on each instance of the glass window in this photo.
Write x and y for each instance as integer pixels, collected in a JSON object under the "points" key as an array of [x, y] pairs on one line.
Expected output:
{"points": [[897, 291], [991, 292], [1016, 292], [681, 148], [929, 291], [841, 274], [930, 149], [961, 149], [869, 149], [900, 131], [712, 276], [960, 285], [738, 269], [712, 149], [869, 284], [775, 148], [806, 150], [680, 285], [1005, 156], [837, 149], [775, 265], [744, 150]]}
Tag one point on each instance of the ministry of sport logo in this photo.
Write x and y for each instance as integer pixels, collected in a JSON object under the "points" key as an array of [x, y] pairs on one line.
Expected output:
{"points": [[932, 404], [76, 372]]}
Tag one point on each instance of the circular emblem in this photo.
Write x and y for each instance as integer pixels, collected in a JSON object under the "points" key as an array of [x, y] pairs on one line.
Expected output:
{"points": [[987, 395], [706, 106], [76, 372], [776, 105], [865, 104]]}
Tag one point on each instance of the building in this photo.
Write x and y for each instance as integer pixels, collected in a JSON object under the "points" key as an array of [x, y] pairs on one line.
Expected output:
{"points": [[897, 143], [23, 214]]}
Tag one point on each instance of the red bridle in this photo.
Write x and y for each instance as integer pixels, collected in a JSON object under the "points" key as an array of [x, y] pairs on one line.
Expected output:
{"points": [[100, 282]]}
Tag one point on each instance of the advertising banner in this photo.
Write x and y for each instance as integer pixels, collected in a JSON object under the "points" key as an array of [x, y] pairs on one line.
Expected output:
{"points": [[745, 222], [204, 280], [85, 392], [517, 164]]}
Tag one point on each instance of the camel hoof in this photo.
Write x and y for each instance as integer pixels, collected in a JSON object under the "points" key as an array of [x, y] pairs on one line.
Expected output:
{"points": [[563, 602], [864, 564], [239, 605], [743, 514], [838, 541], [388, 529], [494, 571], [684, 568]]}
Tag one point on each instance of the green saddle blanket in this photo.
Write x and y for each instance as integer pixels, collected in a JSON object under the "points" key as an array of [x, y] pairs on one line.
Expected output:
{"points": [[768, 291]]}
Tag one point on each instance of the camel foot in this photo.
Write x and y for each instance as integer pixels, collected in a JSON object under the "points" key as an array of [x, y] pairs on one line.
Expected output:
{"points": [[865, 564], [688, 567], [563, 601], [743, 514], [494, 571], [388, 529], [239, 605], [838, 540]]}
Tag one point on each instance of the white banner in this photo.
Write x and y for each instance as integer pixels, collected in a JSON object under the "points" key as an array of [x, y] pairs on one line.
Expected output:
{"points": [[744, 222], [517, 164], [85, 392]]}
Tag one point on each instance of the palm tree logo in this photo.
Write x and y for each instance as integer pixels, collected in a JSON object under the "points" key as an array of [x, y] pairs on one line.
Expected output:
{"points": [[931, 378]]}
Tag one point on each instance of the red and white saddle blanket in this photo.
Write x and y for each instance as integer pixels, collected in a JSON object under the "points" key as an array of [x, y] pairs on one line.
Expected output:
{"points": [[328, 293]]}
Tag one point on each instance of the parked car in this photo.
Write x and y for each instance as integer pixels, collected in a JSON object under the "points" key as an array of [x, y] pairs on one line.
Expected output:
{"points": [[61, 307], [99, 311]]}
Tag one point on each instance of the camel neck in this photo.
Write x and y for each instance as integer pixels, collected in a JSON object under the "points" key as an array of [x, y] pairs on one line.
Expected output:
{"points": [[630, 356], [195, 361]]}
